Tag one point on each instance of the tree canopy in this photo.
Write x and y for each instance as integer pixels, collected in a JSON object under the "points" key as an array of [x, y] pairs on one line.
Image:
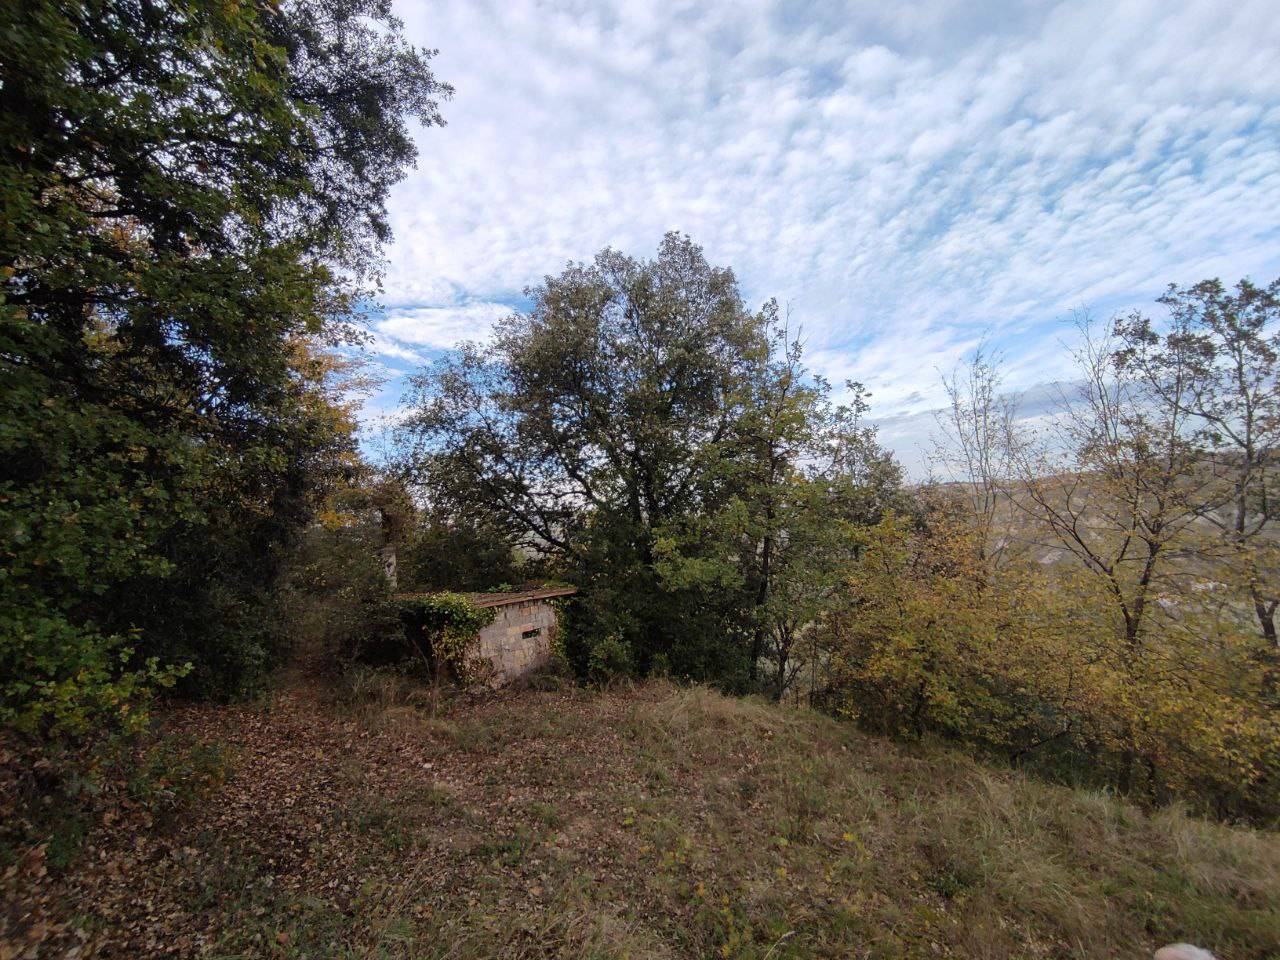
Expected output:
{"points": [[193, 200], [629, 424]]}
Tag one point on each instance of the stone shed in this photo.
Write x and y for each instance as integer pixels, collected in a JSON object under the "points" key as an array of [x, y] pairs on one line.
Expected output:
{"points": [[519, 639]]}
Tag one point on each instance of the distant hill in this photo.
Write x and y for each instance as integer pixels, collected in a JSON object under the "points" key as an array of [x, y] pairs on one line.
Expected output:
{"points": [[1019, 531]]}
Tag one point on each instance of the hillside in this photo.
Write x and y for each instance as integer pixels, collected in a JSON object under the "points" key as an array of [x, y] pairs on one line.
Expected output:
{"points": [[647, 822]]}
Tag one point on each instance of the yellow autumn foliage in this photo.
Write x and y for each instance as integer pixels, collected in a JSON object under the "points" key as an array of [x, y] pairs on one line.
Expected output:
{"points": [[1030, 660]]}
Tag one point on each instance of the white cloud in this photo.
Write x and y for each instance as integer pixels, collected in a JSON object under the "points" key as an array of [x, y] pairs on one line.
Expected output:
{"points": [[389, 349], [438, 327], [907, 176]]}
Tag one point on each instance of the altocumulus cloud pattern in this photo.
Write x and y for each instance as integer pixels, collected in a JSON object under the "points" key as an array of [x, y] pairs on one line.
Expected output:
{"points": [[908, 177]]}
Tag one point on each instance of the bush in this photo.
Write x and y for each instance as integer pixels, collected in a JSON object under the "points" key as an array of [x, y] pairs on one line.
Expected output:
{"points": [[1026, 663], [335, 599], [610, 660], [441, 629], [459, 555]]}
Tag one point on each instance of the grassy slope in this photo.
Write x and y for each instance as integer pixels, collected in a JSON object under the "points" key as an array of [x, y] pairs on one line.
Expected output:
{"points": [[656, 822]]}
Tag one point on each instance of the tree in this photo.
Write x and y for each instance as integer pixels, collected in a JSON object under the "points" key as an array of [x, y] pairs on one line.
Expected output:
{"points": [[799, 471], [1109, 489], [669, 449], [1229, 344], [1112, 481], [588, 424], [446, 552], [924, 639], [1105, 648], [190, 192], [1119, 486], [974, 449]]}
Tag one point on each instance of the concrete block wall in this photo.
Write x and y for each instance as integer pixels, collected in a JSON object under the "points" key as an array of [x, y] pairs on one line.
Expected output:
{"points": [[505, 644]]}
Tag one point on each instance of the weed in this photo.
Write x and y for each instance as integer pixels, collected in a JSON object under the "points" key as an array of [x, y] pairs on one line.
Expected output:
{"points": [[660, 821]]}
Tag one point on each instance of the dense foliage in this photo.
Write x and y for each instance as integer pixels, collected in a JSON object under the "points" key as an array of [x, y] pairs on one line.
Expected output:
{"points": [[1033, 664], [646, 432], [1094, 597], [193, 205], [333, 597], [442, 552], [191, 194], [442, 627]]}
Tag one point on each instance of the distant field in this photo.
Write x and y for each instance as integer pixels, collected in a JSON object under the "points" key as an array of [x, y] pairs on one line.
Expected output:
{"points": [[646, 822]]}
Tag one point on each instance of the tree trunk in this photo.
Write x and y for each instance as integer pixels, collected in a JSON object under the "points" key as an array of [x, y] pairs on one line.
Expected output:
{"points": [[762, 597]]}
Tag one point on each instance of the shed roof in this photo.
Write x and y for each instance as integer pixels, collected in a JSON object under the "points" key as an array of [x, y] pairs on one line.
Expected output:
{"points": [[503, 599], [520, 596]]}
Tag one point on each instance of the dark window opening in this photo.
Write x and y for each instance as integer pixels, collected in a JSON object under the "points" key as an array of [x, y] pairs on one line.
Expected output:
{"points": [[530, 633]]}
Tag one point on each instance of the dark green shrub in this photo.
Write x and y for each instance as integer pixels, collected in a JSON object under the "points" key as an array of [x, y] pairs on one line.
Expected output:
{"points": [[610, 660], [335, 601], [165, 283]]}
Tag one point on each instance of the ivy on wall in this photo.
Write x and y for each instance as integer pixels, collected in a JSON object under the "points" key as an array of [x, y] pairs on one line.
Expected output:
{"points": [[445, 626], [558, 650]]}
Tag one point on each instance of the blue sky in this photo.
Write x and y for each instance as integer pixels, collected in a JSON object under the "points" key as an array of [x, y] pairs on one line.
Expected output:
{"points": [[910, 178]]}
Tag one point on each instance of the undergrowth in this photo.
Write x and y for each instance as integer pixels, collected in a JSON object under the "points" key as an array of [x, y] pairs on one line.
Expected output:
{"points": [[658, 821]]}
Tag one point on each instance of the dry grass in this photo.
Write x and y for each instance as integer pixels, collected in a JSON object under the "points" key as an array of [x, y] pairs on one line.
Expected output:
{"points": [[862, 846], [669, 822]]}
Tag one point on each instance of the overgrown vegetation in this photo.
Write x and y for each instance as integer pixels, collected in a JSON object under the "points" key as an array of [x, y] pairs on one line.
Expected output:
{"points": [[1091, 596], [443, 627], [193, 198], [652, 821], [193, 205], [663, 447], [1092, 599]]}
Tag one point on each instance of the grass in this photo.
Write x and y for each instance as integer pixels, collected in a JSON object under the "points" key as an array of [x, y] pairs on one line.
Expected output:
{"points": [[668, 822]]}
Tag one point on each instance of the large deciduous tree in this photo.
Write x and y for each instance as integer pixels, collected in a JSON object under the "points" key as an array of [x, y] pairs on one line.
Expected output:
{"points": [[664, 443], [192, 199], [587, 425], [1226, 346], [800, 474], [1131, 591]]}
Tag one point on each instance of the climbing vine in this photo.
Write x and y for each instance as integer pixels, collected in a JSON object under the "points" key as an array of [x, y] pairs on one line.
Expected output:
{"points": [[445, 626], [561, 606]]}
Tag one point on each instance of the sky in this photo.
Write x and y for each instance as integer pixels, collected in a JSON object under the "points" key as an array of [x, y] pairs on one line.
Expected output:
{"points": [[910, 179]]}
